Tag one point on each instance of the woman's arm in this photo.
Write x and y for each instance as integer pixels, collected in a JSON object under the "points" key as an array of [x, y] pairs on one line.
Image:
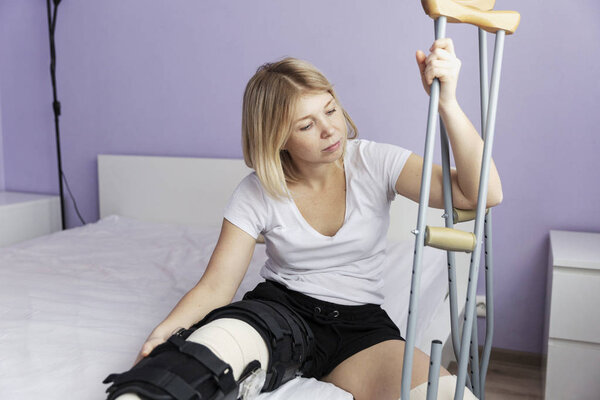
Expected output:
{"points": [[216, 288], [466, 143]]}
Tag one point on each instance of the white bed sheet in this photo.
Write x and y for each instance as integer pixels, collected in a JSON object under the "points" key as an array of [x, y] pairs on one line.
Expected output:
{"points": [[76, 305]]}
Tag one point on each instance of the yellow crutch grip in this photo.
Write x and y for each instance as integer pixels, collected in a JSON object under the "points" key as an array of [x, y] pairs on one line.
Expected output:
{"points": [[449, 239], [464, 215]]}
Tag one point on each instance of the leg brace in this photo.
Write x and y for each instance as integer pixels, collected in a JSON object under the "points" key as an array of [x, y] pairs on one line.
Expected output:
{"points": [[202, 362]]}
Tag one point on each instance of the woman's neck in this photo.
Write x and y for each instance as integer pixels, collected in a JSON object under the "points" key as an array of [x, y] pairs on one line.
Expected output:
{"points": [[318, 177]]}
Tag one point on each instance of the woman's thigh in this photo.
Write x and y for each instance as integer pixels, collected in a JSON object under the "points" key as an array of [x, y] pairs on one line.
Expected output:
{"points": [[376, 372]]}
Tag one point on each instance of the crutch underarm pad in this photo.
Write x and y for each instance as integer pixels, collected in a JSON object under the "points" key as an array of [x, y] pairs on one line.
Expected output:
{"points": [[491, 21], [483, 5], [449, 239]]}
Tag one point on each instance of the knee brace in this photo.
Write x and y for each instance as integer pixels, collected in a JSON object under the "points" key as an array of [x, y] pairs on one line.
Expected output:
{"points": [[192, 369], [289, 339]]}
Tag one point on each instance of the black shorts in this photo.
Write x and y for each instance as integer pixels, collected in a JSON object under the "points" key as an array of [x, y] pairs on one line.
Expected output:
{"points": [[340, 331]]}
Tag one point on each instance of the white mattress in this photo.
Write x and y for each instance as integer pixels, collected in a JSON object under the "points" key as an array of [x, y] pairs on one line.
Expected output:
{"points": [[77, 305]]}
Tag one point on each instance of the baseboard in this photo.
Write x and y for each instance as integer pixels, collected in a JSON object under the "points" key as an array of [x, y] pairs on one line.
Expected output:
{"points": [[516, 357], [509, 356]]}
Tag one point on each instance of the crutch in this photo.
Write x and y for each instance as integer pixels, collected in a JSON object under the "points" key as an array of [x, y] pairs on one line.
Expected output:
{"points": [[449, 239], [453, 216]]}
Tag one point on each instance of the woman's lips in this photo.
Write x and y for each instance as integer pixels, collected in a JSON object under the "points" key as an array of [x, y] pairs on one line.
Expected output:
{"points": [[333, 147]]}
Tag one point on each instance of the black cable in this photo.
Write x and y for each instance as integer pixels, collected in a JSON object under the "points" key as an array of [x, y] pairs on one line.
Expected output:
{"points": [[74, 202], [57, 111]]}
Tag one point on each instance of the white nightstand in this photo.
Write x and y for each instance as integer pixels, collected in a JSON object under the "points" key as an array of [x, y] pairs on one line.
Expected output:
{"points": [[26, 215], [573, 316]]}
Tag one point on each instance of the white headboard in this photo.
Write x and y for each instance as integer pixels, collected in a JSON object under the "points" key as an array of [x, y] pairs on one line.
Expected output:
{"points": [[194, 191]]}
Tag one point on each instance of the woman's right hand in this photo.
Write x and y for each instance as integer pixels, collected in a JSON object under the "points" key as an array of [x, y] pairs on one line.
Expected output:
{"points": [[156, 338], [216, 288]]}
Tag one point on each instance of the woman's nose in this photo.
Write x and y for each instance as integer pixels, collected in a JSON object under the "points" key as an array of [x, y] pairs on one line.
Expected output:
{"points": [[327, 129]]}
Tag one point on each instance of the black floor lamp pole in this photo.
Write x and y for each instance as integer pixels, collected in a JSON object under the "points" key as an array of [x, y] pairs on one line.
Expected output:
{"points": [[56, 103]]}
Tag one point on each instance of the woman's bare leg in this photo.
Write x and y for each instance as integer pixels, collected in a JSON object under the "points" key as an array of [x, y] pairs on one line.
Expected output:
{"points": [[376, 372]]}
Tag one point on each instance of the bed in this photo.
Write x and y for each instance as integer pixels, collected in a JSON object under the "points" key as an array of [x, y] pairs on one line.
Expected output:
{"points": [[76, 305]]}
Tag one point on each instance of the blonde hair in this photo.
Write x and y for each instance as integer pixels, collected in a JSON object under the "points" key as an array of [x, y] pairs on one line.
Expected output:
{"points": [[267, 115]]}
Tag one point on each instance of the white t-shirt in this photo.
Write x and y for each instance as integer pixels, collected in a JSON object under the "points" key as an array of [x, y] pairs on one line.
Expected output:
{"points": [[345, 268]]}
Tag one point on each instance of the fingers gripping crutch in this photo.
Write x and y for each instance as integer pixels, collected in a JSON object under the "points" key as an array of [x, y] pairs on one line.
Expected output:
{"points": [[448, 238]]}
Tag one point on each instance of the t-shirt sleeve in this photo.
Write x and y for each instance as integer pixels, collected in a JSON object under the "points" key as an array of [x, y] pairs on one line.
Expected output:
{"points": [[386, 162], [247, 208]]}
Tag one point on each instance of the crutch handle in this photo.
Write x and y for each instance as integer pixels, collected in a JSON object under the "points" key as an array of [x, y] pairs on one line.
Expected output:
{"points": [[449, 239], [464, 215], [460, 12]]}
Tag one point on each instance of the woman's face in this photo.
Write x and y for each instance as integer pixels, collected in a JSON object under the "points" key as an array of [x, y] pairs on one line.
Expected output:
{"points": [[319, 130]]}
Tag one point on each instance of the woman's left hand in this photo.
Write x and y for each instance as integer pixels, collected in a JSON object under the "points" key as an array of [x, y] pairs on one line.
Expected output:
{"points": [[443, 64]]}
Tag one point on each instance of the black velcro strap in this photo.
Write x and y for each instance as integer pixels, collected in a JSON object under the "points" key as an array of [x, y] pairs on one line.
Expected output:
{"points": [[298, 336], [159, 378], [200, 353], [222, 371], [272, 325]]}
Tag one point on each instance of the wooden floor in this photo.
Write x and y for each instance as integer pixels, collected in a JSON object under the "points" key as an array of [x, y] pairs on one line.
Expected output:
{"points": [[512, 375]]}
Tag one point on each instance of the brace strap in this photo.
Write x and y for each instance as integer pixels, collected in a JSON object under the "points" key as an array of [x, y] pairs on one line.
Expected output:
{"points": [[297, 335], [159, 378], [221, 371], [269, 320]]}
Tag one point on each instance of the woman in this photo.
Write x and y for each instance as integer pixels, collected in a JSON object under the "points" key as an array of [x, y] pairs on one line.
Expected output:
{"points": [[321, 201]]}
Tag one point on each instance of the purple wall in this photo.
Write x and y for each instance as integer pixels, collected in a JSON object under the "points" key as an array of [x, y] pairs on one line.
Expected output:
{"points": [[166, 78], [1, 147], [27, 124]]}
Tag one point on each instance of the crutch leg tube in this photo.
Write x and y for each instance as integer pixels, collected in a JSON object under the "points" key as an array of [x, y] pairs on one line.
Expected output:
{"points": [[481, 202], [474, 358], [467, 240], [489, 317], [450, 219], [434, 370], [440, 28], [489, 312]]}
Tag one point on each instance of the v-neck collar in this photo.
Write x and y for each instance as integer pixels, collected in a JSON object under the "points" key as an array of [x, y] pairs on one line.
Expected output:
{"points": [[308, 226]]}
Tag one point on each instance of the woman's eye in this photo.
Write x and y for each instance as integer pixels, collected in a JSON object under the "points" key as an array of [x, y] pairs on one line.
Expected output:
{"points": [[330, 112], [307, 127]]}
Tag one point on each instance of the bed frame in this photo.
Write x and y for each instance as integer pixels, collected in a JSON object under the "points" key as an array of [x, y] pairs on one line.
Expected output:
{"points": [[194, 191]]}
